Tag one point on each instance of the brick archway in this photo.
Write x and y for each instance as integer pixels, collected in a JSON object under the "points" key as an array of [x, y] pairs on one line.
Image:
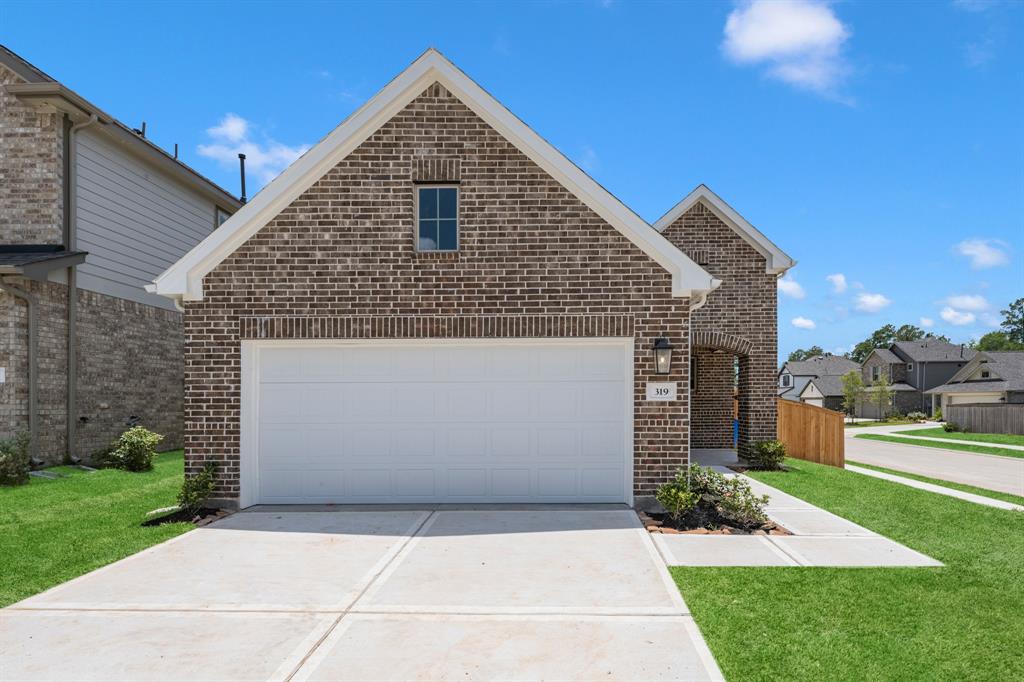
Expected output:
{"points": [[737, 345]]}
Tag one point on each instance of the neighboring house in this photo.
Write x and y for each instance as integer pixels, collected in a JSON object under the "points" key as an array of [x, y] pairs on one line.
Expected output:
{"points": [[434, 305], [88, 205], [796, 375], [990, 377], [912, 368]]}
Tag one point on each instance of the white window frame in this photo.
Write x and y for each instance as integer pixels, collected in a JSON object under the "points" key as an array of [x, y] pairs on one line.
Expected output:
{"points": [[786, 381], [986, 374], [910, 367], [458, 215]]}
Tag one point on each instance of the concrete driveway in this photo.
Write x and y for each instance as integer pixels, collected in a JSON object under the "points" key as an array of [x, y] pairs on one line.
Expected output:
{"points": [[1005, 474], [371, 595]]}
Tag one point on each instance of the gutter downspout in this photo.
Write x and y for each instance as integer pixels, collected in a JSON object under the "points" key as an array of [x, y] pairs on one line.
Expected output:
{"points": [[71, 244], [33, 366]]}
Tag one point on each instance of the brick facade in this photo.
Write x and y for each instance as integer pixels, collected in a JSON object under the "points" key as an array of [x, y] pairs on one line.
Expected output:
{"points": [[340, 262], [740, 318], [712, 399], [129, 355]]}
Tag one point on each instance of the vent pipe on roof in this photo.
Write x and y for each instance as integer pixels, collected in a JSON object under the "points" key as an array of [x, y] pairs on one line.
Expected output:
{"points": [[241, 164]]}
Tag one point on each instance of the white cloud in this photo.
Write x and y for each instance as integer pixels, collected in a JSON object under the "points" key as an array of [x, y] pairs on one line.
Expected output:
{"points": [[232, 128], [927, 322], [838, 281], [871, 303], [264, 159], [799, 40], [968, 302], [790, 287], [956, 317], [803, 323], [984, 253]]}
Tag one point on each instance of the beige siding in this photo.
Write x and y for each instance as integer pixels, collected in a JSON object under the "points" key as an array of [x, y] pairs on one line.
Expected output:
{"points": [[134, 220]]}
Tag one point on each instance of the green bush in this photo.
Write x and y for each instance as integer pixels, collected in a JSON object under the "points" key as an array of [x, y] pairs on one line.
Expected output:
{"points": [[767, 454], [938, 415], [14, 460], [677, 500], [134, 450], [196, 489], [729, 497], [953, 427], [916, 416]]}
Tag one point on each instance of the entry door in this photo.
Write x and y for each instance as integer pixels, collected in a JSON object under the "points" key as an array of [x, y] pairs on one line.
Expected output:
{"points": [[443, 422]]}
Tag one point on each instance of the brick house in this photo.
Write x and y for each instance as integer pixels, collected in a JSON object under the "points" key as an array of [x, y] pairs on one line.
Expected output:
{"points": [[817, 381], [91, 207], [913, 368], [435, 305]]}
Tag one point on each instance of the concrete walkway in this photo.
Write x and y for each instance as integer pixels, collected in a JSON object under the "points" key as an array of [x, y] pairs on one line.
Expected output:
{"points": [[1005, 474], [941, 490], [373, 595], [820, 538]]}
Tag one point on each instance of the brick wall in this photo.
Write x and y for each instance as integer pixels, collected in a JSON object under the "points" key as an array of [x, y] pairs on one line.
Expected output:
{"points": [[31, 171], [129, 363], [744, 308], [712, 401], [344, 250]]}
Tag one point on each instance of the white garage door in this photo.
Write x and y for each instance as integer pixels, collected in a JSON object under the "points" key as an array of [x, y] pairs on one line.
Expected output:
{"points": [[442, 422]]}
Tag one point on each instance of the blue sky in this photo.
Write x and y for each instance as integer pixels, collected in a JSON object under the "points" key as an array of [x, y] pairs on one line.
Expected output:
{"points": [[883, 142]]}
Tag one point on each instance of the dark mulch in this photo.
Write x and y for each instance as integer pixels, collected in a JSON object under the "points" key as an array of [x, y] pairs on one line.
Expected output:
{"points": [[201, 517]]}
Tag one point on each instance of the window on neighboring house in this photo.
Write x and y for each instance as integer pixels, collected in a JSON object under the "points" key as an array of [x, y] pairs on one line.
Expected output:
{"points": [[910, 367], [220, 216], [786, 381], [985, 374], [437, 218], [876, 372]]}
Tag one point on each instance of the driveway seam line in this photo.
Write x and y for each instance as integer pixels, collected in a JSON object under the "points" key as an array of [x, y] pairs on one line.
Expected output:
{"points": [[370, 583]]}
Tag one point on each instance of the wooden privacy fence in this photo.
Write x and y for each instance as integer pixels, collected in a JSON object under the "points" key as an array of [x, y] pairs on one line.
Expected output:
{"points": [[988, 417], [811, 433]]}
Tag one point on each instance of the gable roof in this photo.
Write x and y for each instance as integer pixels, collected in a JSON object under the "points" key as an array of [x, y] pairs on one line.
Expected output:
{"points": [[821, 365], [183, 280], [1007, 368], [828, 386], [886, 355], [776, 260], [934, 350]]}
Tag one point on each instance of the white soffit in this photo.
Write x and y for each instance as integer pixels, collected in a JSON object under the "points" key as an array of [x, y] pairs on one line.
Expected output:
{"points": [[183, 280], [777, 261]]}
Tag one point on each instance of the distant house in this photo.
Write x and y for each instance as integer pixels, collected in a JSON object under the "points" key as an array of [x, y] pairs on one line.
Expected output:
{"points": [[90, 211], [912, 368], [796, 376], [990, 377]]}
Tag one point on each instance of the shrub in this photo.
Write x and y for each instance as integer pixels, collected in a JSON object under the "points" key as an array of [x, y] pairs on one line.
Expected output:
{"points": [[14, 460], [938, 415], [196, 489], [731, 497], [767, 454], [916, 416], [676, 498], [134, 450], [953, 427]]}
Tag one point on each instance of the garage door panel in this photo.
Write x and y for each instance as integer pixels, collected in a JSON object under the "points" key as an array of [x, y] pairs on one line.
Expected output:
{"points": [[446, 422]]}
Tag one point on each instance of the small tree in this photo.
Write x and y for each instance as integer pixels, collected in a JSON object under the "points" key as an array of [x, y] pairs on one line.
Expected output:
{"points": [[882, 395], [853, 392]]}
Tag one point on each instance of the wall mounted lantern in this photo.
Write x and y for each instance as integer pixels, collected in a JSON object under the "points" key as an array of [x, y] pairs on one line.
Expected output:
{"points": [[662, 355]]}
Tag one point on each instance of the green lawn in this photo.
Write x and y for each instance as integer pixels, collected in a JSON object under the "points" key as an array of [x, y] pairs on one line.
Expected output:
{"points": [[958, 622], [979, 449], [895, 422], [54, 530], [997, 438], [994, 494]]}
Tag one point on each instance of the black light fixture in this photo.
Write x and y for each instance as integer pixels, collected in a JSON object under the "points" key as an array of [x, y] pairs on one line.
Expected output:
{"points": [[662, 355]]}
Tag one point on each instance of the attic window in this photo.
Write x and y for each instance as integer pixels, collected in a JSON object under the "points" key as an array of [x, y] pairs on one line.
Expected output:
{"points": [[437, 218], [985, 374]]}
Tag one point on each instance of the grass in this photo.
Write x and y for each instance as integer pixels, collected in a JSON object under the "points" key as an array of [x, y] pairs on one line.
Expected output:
{"points": [[960, 621], [895, 422], [996, 438], [978, 449], [54, 530], [994, 494]]}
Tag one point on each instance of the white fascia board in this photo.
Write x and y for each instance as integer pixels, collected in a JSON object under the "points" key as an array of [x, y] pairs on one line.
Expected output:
{"points": [[777, 262], [183, 280], [967, 370]]}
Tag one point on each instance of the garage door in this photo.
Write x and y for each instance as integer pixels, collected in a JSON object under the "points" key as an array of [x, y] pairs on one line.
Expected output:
{"points": [[466, 422]]}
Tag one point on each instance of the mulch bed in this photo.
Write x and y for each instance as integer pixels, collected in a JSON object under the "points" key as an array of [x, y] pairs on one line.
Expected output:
{"points": [[704, 524], [202, 517]]}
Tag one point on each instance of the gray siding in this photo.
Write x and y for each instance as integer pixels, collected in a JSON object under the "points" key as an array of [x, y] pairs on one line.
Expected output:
{"points": [[134, 220]]}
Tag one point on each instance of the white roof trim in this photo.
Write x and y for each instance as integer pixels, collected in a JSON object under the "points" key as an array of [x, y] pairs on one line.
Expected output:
{"points": [[184, 279], [777, 261], [965, 372]]}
